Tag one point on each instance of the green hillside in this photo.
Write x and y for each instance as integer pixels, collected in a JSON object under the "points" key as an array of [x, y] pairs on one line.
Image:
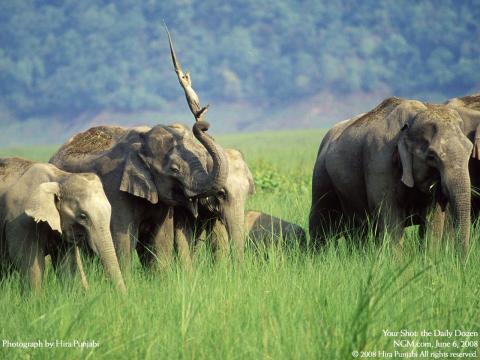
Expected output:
{"points": [[69, 57]]}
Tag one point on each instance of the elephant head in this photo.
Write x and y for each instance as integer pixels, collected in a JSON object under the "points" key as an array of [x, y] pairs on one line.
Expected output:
{"points": [[433, 149], [76, 207], [164, 165]]}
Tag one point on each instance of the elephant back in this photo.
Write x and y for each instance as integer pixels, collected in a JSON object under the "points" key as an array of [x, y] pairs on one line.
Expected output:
{"points": [[377, 114], [89, 145], [11, 169], [469, 101]]}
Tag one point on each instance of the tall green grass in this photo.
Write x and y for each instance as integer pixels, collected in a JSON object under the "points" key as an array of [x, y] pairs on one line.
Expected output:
{"points": [[281, 303]]}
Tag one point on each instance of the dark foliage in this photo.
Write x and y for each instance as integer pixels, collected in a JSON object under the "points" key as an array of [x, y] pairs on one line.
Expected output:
{"points": [[71, 56]]}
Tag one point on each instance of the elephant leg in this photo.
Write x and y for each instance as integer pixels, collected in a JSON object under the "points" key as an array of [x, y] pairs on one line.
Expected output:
{"points": [[124, 234], [219, 240], [5, 263], [124, 227], [33, 267], [25, 246], [155, 243], [391, 225], [184, 240], [434, 226], [325, 212], [162, 241]]}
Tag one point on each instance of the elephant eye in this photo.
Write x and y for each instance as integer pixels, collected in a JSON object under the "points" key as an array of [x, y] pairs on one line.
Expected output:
{"points": [[431, 156], [83, 216], [222, 194]]}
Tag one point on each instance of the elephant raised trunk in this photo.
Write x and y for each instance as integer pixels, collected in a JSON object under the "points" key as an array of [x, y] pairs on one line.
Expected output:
{"points": [[217, 177]]}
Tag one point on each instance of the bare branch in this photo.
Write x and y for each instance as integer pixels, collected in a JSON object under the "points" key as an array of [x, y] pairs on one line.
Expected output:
{"points": [[186, 83]]}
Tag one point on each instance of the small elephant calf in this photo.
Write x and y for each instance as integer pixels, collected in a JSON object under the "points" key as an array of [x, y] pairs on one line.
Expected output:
{"points": [[267, 229], [47, 211]]}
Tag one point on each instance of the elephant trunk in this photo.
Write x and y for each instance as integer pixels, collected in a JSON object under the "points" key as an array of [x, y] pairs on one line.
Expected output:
{"points": [[103, 244], [216, 178], [456, 183]]}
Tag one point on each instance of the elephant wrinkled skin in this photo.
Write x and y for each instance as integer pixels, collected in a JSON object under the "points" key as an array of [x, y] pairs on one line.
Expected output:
{"points": [[393, 163], [46, 211]]}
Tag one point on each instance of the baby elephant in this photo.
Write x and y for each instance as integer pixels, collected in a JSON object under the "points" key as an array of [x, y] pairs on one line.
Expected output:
{"points": [[267, 229], [46, 211]]}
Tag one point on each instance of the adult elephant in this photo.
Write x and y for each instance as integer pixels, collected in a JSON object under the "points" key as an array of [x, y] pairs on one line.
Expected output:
{"points": [[222, 215], [391, 164], [469, 109], [46, 211], [145, 171]]}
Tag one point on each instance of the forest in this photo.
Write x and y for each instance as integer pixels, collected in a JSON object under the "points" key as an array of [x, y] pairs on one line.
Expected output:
{"points": [[71, 56]]}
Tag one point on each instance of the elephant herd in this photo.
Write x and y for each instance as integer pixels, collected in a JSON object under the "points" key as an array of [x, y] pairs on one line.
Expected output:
{"points": [[110, 191]]}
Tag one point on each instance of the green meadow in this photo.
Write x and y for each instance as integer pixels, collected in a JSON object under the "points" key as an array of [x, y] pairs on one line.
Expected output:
{"points": [[281, 303]]}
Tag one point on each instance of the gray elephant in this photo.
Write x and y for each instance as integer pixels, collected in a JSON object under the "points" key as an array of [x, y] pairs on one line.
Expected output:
{"points": [[469, 109], [392, 164], [47, 211], [265, 229], [144, 172], [222, 215]]}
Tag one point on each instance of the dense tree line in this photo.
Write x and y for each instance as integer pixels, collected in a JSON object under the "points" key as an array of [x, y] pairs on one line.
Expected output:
{"points": [[69, 56]]}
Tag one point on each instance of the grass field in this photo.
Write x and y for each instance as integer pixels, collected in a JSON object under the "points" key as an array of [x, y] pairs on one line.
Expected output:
{"points": [[287, 305]]}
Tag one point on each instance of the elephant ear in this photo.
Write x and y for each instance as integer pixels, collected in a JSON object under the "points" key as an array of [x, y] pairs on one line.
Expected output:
{"points": [[41, 205], [406, 158], [137, 177]]}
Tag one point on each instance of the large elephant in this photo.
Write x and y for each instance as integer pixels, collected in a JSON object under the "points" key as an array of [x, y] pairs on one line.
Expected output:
{"points": [[47, 211], [145, 171], [221, 215], [391, 164], [469, 109]]}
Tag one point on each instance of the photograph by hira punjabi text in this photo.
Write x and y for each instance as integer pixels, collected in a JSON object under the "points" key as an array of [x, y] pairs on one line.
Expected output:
{"points": [[49, 343]]}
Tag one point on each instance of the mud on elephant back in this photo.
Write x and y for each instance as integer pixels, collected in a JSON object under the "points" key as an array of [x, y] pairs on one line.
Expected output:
{"points": [[395, 164]]}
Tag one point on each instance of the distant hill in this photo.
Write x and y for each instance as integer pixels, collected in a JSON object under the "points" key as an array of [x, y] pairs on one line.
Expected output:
{"points": [[319, 111]]}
